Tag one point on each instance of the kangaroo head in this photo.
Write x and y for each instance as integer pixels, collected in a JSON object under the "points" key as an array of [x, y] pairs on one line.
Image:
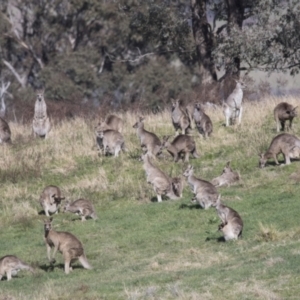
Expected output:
{"points": [[66, 206], [48, 224], [240, 84], [40, 95], [100, 134], [165, 141], [227, 168], [57, 200], [139, 123], [293, 112], [189, 171], [262, 160]]}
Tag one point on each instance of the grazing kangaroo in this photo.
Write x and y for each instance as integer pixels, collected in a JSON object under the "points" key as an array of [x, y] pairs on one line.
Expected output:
{"points": [[41, 123], [202, 121], [82, 207], [232, 107], [10, 265], [284, 143], [5, 133], [180, 119], [111, 122], [284, 112], [110, 141], [205, 193], [66, 243], [182, 144], [149, 140], [50, 199], [232, 223], [162, 183], [227, 177]]}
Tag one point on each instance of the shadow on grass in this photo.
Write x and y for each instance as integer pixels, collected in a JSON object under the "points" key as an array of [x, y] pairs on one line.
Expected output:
{"points": [[217, 239], [51, 267], [190, 206]]}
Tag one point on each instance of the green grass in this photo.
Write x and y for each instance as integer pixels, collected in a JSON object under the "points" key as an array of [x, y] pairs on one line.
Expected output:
{"points": [[141, 249]]}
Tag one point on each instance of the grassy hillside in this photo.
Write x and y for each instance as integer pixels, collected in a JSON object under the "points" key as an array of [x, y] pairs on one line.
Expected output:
{"points": [[141, 249]]}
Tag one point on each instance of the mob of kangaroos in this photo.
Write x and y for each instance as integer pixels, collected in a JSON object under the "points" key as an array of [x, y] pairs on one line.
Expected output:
{"points": [[285, 143], [66, 243], [284, 112], [41, 123], [10, 265], [232, 107]]}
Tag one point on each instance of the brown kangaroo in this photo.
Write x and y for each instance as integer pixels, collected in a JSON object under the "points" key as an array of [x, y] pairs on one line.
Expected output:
{"points": [[284, 112], [66, 243]]}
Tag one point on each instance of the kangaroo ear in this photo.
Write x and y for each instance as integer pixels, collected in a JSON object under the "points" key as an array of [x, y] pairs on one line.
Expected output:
{"points": [[51, 219], [261, 155], [295, 107], [141, 118], [228, 164]]}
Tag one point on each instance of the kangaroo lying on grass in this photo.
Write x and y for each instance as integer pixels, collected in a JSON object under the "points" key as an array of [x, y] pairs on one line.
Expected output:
{"points": [[161, 182], [50, 199], [202, 121], [232, 223], [284, 112], [181, 145], [284, 143], [111, 122], [149, 141], [180, 118], [66, 243], [227, 177], [41, 123], [82, 207], [110, 141], [232, 107], [205, 193], [10, 265]]}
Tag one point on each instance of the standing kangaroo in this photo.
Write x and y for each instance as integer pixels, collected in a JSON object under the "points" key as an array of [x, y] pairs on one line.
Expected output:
{"points": [[227, 177], [82, 207], [162, 183], [285, 143], [232, 223], [10, 265], [148, 140], [111, 122], [205, 193], [284, 112], [5, 133], [41, 123], [182, 144], [110, 141], [232, 107], [66, 243], [202, 121], [180, 118], [50, 199]]}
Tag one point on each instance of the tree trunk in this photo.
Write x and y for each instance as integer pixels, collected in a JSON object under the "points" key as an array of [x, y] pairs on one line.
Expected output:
{"points": [[204, 41]]}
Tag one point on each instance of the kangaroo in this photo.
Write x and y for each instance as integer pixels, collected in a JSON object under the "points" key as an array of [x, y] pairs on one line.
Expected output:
{"points": [[284, 112], [50, 199], [110, 141], [180, 118], [111, 122], [177, 186], [182, 144], [232, 223], [202, 121], [149, 140], [162, 183], [5, 133], [227, 177], [10, 265], [41, 123], [284, 143], [205, 193], [82, 207], [66, 243], [232, 107]]}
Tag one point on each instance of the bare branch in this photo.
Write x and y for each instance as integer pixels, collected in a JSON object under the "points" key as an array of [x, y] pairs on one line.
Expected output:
{"points": [[22, 79]]}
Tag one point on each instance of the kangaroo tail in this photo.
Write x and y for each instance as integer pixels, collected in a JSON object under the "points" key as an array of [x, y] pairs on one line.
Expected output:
{"points": [[83, 260]]}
